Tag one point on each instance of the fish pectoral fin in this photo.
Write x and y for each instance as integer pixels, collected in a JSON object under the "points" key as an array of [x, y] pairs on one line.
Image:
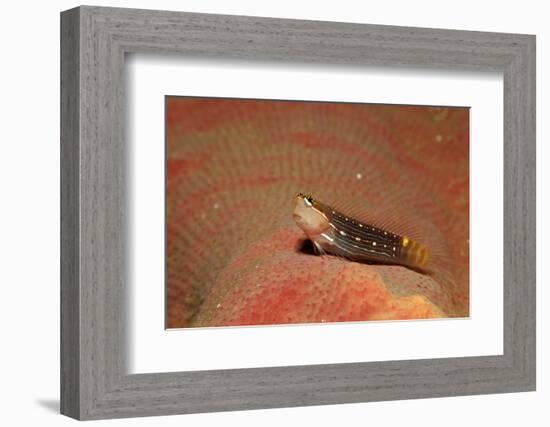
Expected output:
{"points": [[318, 248]]}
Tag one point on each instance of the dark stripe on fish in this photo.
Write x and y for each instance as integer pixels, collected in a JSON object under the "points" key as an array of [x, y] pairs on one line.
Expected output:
{"points": [[364, 231], [355, 249]]}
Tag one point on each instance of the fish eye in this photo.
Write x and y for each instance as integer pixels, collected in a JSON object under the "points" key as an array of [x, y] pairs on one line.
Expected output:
{"points": [[308, 200]]}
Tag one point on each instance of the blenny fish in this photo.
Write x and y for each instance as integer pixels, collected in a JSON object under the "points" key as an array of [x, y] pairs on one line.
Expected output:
{"points": [[336, 233]]}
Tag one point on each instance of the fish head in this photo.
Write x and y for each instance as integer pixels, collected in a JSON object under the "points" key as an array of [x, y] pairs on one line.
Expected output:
{"points": [[308, 216]]}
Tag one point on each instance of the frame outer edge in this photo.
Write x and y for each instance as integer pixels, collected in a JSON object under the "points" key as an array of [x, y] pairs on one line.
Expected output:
{"points": [[532, 219], [89, 368], [70, 396], [527, 166], [519, 217]]}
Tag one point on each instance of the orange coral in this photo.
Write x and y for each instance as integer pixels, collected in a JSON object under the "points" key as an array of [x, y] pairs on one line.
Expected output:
{"points": [[233, 167]]}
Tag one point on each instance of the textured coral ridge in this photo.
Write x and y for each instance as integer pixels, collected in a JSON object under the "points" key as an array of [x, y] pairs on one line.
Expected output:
{"points": [[233, 253], [272, 282]]}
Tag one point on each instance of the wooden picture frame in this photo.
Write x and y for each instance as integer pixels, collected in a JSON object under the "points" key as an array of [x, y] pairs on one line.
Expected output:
{"points": [[94, 382]]}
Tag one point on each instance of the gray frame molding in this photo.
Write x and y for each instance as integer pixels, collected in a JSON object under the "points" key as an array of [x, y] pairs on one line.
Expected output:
{"points": [[94, 41]]}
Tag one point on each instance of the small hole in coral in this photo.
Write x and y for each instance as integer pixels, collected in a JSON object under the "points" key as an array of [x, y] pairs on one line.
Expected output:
{"points": [[306, 247]]}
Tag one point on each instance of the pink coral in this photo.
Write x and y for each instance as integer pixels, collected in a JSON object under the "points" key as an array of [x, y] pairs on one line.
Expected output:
{"points": [[233, 167]]}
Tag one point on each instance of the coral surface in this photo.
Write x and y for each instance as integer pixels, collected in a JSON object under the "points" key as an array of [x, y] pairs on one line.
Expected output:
{"points": [[234, 255]]}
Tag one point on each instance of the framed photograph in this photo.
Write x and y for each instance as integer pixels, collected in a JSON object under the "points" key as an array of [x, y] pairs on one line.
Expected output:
{"points": [[391, 190], [261, 213]]}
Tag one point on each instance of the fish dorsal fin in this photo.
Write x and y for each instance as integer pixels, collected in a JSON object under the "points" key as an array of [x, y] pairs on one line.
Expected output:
{"points": [[388, 217]]}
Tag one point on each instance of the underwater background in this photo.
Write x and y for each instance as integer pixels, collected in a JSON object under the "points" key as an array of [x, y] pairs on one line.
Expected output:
{"points": [[234, 254]]}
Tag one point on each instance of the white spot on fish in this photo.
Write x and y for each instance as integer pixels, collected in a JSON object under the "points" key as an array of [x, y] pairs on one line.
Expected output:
{"points": [[219, 305], [358, 175], [330, 239], [358, 239], [343, 233], [361, 225], [394, 248], [373, 243]]}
